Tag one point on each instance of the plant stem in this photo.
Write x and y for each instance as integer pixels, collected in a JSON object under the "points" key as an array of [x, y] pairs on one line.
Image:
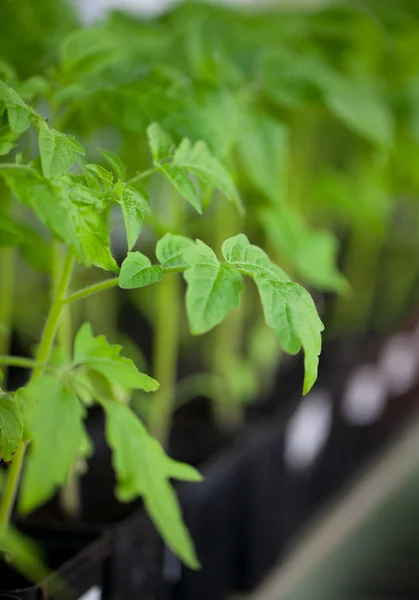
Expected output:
{"points": [[11, 485], [64, 333], [7, 284], [42, 356], [227, 336], [69, 498], [165, 354], [24, 363], [166, 337], [92, 289]]}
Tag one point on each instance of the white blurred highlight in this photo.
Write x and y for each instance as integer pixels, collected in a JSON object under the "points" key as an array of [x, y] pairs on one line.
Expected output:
{"points": [[365, 396], [308, 430], [399, 363]]}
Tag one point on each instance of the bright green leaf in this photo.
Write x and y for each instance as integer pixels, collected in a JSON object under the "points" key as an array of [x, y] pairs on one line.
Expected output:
{"points": [[198, 159], [52, 207], [115, 163], [249, 259], [101, 172], [56, 428], [179, 177], [137, 271], [11, 426], [291, 312], [143, 469], [170, 249], [58, 150], [213, 288], [98, 354], [132, 204], [161, 144]]}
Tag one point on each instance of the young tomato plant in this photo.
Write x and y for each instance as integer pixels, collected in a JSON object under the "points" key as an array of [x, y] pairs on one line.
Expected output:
{"points": [[49, 411]]}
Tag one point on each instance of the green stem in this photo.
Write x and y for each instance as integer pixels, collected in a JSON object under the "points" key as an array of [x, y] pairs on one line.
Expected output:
{"points": [[42, 356], [92, 289], [166, 335], [7, 285], [165, 355], [143, 175], [24, 363], [11, 486], [226, 338]]}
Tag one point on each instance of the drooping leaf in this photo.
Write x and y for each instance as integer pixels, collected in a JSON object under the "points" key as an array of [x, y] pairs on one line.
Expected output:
{"points": [[291, 312], [143, 469], [58, 150], [137, 271], [170, 249], [133, 207], [179, 177], [198, 159], [160, 142], [11, 426], [56, 428], [93, 235], [288, 307], [213, 288], [98, 354]]}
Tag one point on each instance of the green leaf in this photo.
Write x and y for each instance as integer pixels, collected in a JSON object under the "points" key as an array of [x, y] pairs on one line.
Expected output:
{"points": [[311, 253], [115, 163], [198, 159], [213, 288], [170, 249], [143, 469], [179, 177], [50, 204], [264, 151], [58, 150], [93, 235], [137, 271], [17, 111], [101, 172], [160, 142], [360, 107], [10, 232], [56, 428], [132, 204], [11, 427], [98, 354], [291, 312], [249, 259]]}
